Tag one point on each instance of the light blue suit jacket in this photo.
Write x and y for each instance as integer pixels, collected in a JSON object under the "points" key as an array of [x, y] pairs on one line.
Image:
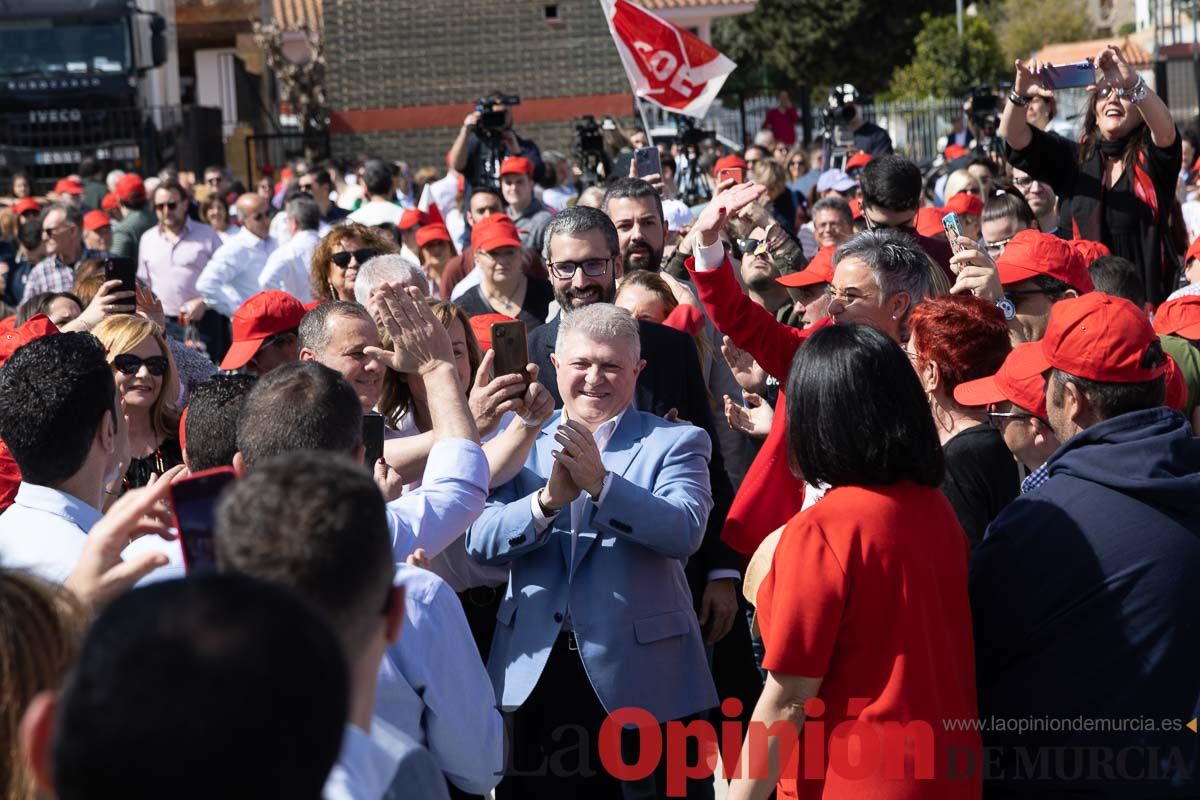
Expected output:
{"points": [[628, 600]]}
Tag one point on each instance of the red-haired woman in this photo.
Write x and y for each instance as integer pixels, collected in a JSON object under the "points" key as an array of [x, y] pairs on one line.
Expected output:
{"points": [[957, 338], [1117, 184]]}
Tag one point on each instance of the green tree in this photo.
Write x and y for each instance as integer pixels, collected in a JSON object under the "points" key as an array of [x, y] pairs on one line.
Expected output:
{"points": [[822, 43], [946, 65], [1025, 26]]}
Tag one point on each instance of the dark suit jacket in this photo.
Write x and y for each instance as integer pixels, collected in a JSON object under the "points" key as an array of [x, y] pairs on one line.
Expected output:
{"points": [[671, 379]]}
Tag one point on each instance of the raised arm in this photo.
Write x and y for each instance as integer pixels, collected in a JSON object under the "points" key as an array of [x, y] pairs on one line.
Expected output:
{"points": [[1119, 75]]}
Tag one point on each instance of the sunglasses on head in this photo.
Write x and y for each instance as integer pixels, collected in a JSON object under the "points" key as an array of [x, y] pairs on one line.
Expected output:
{"points": [[360, 256], [129, 364]]}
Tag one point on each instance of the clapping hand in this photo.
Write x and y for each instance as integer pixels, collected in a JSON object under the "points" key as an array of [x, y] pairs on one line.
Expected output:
{"points": [[420, 341], [581, 457], [746, 371]]}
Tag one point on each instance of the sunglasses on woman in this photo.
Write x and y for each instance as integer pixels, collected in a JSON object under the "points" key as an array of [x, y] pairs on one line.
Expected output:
{"points": [[360, 256], [129, 364]]}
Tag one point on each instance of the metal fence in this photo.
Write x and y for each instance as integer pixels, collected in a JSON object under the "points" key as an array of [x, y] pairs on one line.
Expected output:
{"points": [[915, 127]]}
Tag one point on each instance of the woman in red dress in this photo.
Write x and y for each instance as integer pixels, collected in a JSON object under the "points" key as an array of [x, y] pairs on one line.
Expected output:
{"points": [[865, 617]]}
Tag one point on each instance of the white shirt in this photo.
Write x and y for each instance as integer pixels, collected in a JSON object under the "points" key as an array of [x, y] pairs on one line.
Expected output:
{"points": [[433, 686], [469, 282], [279, 230], [376, 212], [288, 267], [231, 276], [43, 532], [453, 491], [363, 770]]}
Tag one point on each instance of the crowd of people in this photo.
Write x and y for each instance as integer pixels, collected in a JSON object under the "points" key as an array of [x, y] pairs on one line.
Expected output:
{"points": [[902, 513]]}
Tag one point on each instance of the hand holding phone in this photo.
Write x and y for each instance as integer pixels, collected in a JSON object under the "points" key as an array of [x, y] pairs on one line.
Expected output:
{"points": [[953, 230], [737, 174], [646, 161], [511, 349], [123, 269], [193, 504], [372, 440], [1068, 76]]}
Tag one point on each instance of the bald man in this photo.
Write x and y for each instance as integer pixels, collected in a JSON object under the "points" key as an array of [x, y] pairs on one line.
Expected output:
{"points": [[231, 275]]}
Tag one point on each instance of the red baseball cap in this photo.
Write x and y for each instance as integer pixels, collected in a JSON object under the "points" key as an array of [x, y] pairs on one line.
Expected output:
{"points": [[433, 233], [263, 315], [1088, 251], [481, 325], [13, 339], [516, 165], [965, 203], [1180, 316], [954, 151], [26, 205], [1193, 251], [494, 231], [729, 162], [859, 159], [1032, 253], [110, 202], [68, 186], [929, 221], [411, 218], [1096, 337], [1028, 393], [95, 220], [819, 270], [131, 189]]}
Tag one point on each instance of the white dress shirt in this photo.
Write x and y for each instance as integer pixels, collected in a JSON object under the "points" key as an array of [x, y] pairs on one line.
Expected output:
{"points": [[231, 276], [377, 212], [433, 686], [392, 765], [43, 532], [288, 267], [453, 492]]}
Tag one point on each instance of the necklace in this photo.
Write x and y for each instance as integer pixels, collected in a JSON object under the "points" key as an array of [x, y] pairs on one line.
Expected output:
{"points": [[505, 304]]}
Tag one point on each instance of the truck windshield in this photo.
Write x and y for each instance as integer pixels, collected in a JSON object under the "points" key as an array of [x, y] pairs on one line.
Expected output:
{"points": [[39, 47]]}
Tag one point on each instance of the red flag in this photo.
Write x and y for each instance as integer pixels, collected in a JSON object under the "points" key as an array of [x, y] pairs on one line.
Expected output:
{"points": [[665, 64]]}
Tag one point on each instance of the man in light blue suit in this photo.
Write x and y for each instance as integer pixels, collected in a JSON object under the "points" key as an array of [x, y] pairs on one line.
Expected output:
{"points": [[596, 530]]}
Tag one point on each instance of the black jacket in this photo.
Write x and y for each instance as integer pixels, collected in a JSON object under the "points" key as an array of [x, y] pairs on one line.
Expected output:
{"points": [[671, 379]]}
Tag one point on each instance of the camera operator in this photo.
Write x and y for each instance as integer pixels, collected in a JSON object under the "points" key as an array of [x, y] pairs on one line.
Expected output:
{"points": [[486, 139], [868, 137]]}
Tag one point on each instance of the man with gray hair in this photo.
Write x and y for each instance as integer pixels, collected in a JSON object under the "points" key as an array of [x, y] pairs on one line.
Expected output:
{"points": [[597, 527], [288, 267], [388, 268], [62, 231], [583, 255]]}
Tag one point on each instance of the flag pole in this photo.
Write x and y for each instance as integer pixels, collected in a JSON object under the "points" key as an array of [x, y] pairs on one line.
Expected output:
{"points": [[637, 102]]}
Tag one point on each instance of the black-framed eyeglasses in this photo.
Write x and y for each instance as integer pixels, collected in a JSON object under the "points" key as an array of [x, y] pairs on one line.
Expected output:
{"points": [[171, 206], [306, 187], [259, 215], [360, 256], [752, 247], [129, 364], [57, 229], [1024, 183], [592, 267]]}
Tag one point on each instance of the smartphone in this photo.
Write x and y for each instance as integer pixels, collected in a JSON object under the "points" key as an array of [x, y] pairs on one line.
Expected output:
{"points": [[953, 231], [372, 440], [737, 173], [1068, 76], [123, 269], [512, 351], [647, 162], [193, 503]]}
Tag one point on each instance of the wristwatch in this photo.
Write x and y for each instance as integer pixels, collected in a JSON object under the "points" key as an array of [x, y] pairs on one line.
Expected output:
{"points": [[1016, 99], [546, 510], [1006, 305]]}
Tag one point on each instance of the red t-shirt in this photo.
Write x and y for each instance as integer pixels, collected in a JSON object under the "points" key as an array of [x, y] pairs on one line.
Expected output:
{"points": [[782, 124], [868, 590]]}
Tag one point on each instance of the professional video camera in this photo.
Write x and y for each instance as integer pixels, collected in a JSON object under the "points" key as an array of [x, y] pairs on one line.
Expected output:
{"points": [[588, 149], [984, 112], [693, 186], [493, 123], [839, 111]]}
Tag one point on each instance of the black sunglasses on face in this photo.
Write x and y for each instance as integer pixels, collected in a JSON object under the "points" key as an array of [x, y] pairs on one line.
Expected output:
{"points": [[129, 364], [1012, 295], [168, 206], [360, 256]]}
